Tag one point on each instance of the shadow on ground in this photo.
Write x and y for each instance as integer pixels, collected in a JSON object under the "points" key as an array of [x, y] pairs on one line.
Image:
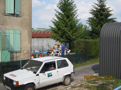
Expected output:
{"points": [[95, 68]]}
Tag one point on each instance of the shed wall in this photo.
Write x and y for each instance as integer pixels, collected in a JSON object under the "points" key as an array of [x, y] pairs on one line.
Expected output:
{"points": [[110, 50], [44, 42]]}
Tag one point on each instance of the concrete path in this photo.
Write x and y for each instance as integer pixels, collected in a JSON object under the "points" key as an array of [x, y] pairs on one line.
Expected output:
{"points": [[80, 72]]}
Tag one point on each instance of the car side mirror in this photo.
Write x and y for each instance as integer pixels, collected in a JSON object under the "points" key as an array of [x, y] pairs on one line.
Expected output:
{"points": [[37, 74]]}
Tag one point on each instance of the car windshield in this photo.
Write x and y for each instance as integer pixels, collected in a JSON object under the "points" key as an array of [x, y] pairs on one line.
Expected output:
{"points": [[32, 65]]}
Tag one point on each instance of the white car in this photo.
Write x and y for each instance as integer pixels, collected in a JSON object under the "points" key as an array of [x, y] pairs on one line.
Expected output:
{"points": [[40, 72]]}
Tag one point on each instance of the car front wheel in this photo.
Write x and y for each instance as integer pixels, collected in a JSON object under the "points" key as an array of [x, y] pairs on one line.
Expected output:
{"points": [[29, 87], [67, 80]]}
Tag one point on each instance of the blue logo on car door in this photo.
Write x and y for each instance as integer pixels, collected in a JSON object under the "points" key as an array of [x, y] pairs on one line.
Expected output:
{"points": [[49, 74]]}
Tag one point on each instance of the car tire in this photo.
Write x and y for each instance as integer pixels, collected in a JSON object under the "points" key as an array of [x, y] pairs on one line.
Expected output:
{"points": [[67, 80], [29, 87]]}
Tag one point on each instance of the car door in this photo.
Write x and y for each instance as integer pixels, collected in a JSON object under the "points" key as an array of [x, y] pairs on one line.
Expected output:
{"points": [[63, 68], [48, 74]]}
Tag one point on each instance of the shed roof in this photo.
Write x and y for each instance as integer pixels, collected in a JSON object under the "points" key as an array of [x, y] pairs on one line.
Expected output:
{"points": [[110, 30], [41, 33]]}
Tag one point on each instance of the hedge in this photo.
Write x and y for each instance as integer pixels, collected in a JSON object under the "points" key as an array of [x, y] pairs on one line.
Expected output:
{"points": [[89, 46]]}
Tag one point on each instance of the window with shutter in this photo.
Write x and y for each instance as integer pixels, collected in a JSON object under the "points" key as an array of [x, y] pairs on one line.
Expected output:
{"points": [[12, 40], [16, 40], [13, 7], [17, 6], [10, 6]]}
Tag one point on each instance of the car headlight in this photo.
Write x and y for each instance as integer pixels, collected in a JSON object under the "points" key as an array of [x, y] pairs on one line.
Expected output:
{"points": [[16, 83]]}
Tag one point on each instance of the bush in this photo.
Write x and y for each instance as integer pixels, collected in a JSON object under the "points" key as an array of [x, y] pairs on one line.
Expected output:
{"points": [[89, 46]]}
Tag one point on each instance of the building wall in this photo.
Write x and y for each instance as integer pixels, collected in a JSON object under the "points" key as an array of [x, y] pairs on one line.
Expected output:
{"points": [[22, 23], [44, 42]]}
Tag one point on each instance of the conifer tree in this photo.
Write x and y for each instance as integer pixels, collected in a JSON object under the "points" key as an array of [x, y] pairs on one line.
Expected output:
{"points": [[66, 25], [100, 16]]}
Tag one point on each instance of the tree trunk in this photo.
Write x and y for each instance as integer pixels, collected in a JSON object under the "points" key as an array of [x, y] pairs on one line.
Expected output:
{"points": [[71, 45]]}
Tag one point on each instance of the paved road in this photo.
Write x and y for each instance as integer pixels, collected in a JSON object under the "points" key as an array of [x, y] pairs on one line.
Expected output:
{"points": [[80, 72]]}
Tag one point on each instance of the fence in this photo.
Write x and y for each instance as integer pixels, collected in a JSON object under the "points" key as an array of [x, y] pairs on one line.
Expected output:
{"points": [[10, 66], [14, 65], [77, 58]]}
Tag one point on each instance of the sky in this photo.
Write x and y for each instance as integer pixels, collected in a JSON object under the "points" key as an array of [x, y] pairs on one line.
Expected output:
{"points": [[43, 11]]}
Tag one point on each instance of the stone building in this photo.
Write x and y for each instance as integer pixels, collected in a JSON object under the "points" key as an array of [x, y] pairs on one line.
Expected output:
{"points": [[16, 21]]}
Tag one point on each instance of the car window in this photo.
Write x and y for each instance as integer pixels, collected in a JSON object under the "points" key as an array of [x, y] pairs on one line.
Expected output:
{"points": [[32, 65], [49, 66], [62, 63]]}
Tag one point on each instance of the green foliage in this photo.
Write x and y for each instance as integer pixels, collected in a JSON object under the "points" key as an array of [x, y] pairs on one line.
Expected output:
{"points": [[66, 25], [86, 33], [89, 46], [101, 15], [90, 61]]}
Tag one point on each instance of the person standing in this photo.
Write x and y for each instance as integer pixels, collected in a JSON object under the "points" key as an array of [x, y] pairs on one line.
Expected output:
{"points": [[62, 49]]}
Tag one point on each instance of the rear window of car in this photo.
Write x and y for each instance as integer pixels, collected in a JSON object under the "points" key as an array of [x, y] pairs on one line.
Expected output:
{"points": [[62, 63]]}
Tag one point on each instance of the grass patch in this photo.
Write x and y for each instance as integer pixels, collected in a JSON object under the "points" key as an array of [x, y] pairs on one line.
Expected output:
{"points": [[87, 86], [81, 85], [91, 61], [73, 87], [114, 82], [103, 84], [92, 81]]}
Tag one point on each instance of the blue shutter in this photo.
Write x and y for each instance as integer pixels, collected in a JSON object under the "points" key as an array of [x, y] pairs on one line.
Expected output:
{"points": [[16, 40], [17, 6], [0, 43], [5, 56], [9, 8]]}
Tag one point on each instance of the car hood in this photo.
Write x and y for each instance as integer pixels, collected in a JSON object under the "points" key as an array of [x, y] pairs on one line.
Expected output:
{"points": [[19, 74]]}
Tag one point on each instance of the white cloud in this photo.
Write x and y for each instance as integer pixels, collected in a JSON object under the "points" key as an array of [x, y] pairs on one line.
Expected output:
{"points": [[56, 1], [115, 6], [47, 24], [83, 9], [51, 7], [45, 17], [36, 3], [36, 25], [46, 13]]}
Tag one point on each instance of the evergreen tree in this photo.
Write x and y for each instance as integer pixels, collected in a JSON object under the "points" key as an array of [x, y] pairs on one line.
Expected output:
{"points": [[85, 33], [66, 25], [101, 15]]}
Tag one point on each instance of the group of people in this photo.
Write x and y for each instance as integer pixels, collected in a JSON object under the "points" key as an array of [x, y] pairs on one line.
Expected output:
{"points": [[57, 50]]}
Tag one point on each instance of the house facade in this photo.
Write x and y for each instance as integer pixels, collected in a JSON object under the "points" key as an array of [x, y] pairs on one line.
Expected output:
{"points": [[16, 21]]}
